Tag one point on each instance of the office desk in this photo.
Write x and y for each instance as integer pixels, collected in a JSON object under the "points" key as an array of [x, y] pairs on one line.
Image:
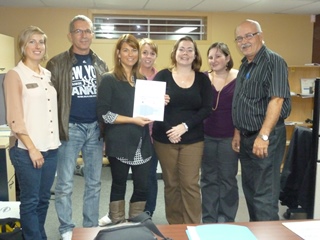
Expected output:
{"points": [[272, 230]]}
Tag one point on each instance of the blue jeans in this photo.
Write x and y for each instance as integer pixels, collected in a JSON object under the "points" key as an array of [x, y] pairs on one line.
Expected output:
{"points": [[152, 184], [35, 185], [85, 138]]}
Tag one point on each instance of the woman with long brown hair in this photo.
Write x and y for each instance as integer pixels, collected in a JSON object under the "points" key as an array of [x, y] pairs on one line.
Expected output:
{"points": [[128, 143]]}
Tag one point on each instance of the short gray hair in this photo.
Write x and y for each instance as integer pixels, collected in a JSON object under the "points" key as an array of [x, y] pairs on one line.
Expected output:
{"points": [[82, 18]]}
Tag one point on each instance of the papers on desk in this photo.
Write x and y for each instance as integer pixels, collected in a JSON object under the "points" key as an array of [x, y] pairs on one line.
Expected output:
{"points": [[219, 232], [307, 86], [288, 123], [307, 230], [5, 131], [9, 209]]}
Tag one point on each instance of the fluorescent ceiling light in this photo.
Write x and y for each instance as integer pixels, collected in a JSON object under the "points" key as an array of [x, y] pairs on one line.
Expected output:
{"points": [[185, 29], [108, 28]]}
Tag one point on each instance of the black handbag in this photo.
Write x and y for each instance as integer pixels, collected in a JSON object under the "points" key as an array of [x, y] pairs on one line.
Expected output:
{"points": [[140, 227], [10, 229]]}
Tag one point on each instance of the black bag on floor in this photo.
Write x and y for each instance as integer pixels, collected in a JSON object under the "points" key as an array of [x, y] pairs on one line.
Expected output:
{"points": [[10, 229], [140, 227]]}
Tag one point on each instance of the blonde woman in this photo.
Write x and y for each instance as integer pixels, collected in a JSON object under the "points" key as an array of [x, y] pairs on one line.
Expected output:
{"points": [[31, 103], [148, 56]]}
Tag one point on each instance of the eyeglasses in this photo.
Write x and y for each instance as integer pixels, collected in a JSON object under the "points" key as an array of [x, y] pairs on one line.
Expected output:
{"points": [[80, 32], [248, 36]]}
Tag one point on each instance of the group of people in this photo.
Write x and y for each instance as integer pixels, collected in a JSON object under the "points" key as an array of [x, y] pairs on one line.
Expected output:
{"points": [[211, 119]]}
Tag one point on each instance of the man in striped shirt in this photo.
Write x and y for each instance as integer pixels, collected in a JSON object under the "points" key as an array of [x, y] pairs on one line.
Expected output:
{"points": [[261, 103]]}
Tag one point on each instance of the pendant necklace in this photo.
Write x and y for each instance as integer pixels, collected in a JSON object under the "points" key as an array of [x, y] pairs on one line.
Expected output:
{"points": [[218, 97]]}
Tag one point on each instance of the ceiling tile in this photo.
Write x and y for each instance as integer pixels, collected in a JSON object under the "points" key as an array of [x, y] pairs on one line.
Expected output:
{"points": [[172, 5], [223, 5], [25, 3], [69, 3], [121, 4], [277, 6], [253, 6]]}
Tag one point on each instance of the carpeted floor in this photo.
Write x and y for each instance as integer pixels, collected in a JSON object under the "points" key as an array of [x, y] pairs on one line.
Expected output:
{"points": [[52, 223]]}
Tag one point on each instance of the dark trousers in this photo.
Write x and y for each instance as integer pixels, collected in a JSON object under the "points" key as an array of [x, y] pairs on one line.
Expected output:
{"points": [[261, 177], [219, 188], [120, 171], [152, 185]]}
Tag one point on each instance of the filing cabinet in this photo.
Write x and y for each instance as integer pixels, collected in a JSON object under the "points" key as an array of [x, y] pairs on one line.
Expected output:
{"points": [[7, 174]]}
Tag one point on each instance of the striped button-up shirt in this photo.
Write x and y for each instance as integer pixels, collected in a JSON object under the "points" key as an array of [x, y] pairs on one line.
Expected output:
{"points": [[265, 77]]}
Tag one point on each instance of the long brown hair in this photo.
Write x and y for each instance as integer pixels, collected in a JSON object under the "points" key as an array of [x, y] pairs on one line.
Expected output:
{"points": [[197, 62], [118, 69]]}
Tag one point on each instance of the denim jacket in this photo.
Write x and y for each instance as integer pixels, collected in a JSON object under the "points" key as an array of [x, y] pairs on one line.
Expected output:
{"points": [[60, 67]]}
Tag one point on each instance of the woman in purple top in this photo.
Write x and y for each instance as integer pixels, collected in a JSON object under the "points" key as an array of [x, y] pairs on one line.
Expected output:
{"points": [[220, 163]]}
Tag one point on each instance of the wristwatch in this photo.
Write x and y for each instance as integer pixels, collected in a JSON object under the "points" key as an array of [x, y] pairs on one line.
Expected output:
{"points": [[264, 137]]}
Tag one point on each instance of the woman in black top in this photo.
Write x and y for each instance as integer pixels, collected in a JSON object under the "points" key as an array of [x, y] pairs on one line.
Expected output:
{"points": [[178, 140], [127, 138]]}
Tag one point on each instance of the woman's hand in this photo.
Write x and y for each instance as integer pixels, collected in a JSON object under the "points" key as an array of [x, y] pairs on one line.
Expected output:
{"points": [[141, 121], [34, 154], [175, 133], [166, 99], [174, 139], [36, 157]]}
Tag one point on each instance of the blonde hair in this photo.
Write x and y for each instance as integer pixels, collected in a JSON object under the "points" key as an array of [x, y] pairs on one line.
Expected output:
{"points": [[151, 43], [24, 38]]}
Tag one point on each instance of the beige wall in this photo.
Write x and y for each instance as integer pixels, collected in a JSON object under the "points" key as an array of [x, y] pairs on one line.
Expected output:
{"points": [[289, 35]]}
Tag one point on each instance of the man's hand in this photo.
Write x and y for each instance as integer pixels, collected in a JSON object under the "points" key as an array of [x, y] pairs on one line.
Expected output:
{"points": [[260, 148]]}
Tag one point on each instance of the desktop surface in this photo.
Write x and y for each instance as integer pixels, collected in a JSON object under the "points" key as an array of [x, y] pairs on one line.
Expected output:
{"points": [[264, 230]]}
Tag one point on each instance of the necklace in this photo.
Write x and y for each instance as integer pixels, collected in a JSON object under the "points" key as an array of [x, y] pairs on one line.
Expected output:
{"points": [[218, 97], [132, 81]]}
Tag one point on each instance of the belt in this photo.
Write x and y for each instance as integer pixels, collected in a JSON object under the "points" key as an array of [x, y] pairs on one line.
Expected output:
{"points": [[247, 134]]}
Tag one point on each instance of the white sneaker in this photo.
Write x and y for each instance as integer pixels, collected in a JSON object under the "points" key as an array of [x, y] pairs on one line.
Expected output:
{"points": [[104, 220], [66, 236]]}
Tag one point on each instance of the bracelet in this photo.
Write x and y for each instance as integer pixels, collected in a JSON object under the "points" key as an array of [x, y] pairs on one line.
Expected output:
{"points": [[185, 126]]}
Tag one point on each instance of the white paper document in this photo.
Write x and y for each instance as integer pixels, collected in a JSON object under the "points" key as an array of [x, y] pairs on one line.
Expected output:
{"points": [[307, 230], [307, 86], [9, 209], [149, 99]]}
